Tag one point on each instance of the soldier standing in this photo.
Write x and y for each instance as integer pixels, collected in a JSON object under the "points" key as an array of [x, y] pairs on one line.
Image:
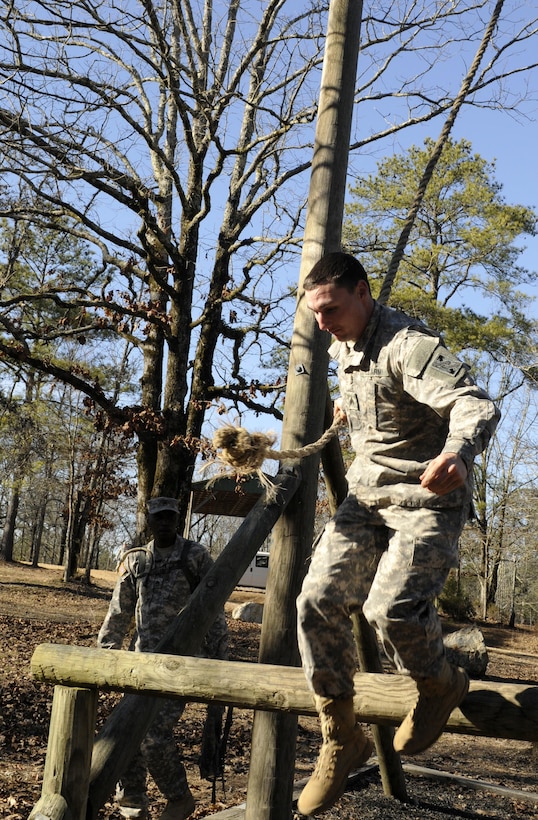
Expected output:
{"points": [[155, 584], [416, 421]]}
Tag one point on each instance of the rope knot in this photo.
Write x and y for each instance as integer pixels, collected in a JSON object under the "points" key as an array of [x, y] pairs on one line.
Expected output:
{"points": [[243, 451]]}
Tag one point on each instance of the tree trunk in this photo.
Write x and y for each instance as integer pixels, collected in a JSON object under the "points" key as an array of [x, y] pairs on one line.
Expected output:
{"points": [[37, 531], [77, 529], [63, 540], [8, 533], [151, 384], [92, 553]]}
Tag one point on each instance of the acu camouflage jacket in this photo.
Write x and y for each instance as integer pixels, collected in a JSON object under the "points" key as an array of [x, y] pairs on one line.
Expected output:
{"points": [[153, 588], [408, 399]]}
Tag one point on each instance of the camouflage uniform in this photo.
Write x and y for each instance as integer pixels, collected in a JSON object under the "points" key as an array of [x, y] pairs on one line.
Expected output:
{"points": [[153, 587], [391, 544]]}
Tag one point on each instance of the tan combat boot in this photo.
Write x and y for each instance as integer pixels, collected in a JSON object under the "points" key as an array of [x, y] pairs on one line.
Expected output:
{"points": [[179, 809], [345, 747], [437, 697]]}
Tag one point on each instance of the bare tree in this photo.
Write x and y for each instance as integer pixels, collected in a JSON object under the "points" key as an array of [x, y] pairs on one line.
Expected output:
{"points": [[175, 138], [505, 486], [48, 441]]}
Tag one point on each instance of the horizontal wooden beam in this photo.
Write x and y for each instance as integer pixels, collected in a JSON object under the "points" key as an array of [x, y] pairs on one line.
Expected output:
{"points": [[492, 708]]}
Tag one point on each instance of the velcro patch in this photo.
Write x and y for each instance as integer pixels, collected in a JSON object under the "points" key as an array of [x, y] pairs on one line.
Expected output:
{"points": [[445, 366], [429, 358], [421, 355]]}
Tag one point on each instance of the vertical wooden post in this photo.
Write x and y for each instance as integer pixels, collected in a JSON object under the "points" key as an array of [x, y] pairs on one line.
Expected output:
{"points": [[390, 765], [270, 785], [67, 765]]}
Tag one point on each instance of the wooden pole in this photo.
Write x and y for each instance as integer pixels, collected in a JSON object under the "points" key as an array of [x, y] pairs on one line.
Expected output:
{"points": [[270, 784], [492, 708], [390, 764]]}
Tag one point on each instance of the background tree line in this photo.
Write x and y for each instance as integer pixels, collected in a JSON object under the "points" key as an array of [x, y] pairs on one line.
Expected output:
{"points": [[155, 164]]}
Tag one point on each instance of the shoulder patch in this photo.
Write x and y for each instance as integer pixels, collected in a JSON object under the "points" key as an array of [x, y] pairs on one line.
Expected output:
{"points": [[430, 358], [421, 355], [137, 562], [446, 366]]}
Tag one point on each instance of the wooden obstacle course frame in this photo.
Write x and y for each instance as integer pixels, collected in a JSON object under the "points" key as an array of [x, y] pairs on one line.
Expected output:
{"points": [[491, 708]]}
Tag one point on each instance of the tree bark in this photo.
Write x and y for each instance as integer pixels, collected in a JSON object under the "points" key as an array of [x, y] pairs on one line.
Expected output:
{"points": [[8, 533]]}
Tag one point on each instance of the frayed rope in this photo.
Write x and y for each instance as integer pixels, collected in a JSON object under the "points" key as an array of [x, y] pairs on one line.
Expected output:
{"points": [[243, 453]]}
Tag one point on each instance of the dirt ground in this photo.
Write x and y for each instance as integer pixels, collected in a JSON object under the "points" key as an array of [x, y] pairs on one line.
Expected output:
{"points": [[36, 606]]}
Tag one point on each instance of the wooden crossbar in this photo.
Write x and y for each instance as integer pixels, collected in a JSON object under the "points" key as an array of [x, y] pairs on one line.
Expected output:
{"points": [[492, 708]]}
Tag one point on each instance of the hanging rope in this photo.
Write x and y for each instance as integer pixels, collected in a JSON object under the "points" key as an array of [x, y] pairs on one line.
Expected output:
{"points": [[434, 158]]}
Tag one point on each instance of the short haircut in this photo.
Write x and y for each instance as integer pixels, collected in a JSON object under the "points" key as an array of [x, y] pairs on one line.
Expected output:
{"points": [[339, 269]]}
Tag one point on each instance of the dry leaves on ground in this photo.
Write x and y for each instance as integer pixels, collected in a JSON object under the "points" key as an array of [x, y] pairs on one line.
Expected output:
{"points": [[37, 607]]}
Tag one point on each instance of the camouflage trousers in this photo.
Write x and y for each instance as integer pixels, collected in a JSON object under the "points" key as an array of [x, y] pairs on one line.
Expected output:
{"points": [[160, 756], [390, 563]]}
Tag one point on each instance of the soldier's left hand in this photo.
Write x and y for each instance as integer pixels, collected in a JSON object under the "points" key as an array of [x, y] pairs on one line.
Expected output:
{"points": [[340, 414], [444, 473]]}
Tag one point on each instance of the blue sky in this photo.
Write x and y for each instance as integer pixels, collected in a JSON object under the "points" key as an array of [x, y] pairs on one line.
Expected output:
{"points": [[506, 137]]}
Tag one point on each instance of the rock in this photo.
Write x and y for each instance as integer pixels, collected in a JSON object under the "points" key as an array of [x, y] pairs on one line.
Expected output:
{"points": [[467, 648], [249, 612]]}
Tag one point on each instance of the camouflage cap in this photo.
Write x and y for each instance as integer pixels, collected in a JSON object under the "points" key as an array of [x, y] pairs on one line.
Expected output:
{"points": [[162, 504]]}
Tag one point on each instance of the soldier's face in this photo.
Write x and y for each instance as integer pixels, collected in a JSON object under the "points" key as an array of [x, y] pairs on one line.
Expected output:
{"points": [[164, 524], [343, 313]]}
